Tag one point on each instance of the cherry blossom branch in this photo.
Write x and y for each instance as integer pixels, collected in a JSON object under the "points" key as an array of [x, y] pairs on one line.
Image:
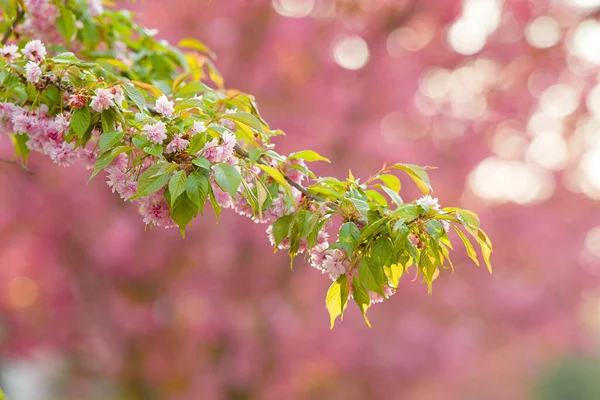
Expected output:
{"points": [[25, 167], [11, 28]]}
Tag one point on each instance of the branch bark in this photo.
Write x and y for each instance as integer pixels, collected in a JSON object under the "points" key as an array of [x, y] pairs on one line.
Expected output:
{"points": [[11, 28], [19, 164]]}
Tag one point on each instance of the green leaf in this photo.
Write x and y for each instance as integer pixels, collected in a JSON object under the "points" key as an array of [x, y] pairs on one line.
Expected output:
{"points": [[109, 139], [197, 188], [361, 298], [245, 119], [227, 177], [135, 96], [337, 299], [308, 155], [189, 43], [391, 182], [276, 175], [486, 248], [381, 251], [154, 150], [418, 175], [435, 229], [371, 274], [109, 122], [177, 185], [202, 163], [348, 237], [80, 121], [183, 211], [153, 179], [65, 24], [281, 228], [427, 266], [394, 273], [393, 195], [470, 250], [140, 141]]}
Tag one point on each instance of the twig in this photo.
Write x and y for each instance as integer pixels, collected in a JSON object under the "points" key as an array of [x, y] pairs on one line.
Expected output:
{"points": [[20, 164], [243, 153], [11, 28]]}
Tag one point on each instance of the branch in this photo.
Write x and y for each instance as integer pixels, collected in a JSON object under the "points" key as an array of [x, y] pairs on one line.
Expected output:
{"points": [[243, 153], [11, 28], [25, 167]]}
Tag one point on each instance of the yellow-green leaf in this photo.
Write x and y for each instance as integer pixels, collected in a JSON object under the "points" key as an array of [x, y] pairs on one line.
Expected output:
{"points": [[337, 299]]}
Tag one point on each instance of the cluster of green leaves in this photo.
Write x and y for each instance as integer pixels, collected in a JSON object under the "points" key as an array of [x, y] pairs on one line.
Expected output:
{"points": [[381, 235]]}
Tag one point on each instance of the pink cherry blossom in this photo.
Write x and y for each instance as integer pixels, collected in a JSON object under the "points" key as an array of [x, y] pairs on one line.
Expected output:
{"points": [[198, 127], [34, 51], [77, 101], [165, 107], [95, 7], [119, 95], [10, 52], [430, 202], [156, 133], [215, 152], [177, 144], [102, 100], [33, 72], [155, 210]]}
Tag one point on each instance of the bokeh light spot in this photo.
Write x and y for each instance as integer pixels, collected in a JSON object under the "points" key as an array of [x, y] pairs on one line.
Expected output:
{"points": [[351, 52], [543, 32], [294, 8]]}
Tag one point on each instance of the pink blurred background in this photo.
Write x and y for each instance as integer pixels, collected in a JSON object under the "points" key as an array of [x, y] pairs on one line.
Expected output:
{"points": [[502, 96]]}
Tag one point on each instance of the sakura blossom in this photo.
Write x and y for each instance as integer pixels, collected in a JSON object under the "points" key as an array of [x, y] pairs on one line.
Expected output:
{"points": [[155, 210], [156, 132], [165, 107], [33, 72], [428, 201], [34, 51], [10, 52], [198, 127], [217, 152], [102, 100], [177, 144], [119, 95], [95, 7]]}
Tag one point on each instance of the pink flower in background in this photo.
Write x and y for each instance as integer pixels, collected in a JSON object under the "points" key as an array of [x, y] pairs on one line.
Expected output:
{"points": [[95, 7], [35, 51], [102, 100], [430, 202], [10, 52], [33, 72], [165, 107], [40, 18], [156, 133], [177, 144]]}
